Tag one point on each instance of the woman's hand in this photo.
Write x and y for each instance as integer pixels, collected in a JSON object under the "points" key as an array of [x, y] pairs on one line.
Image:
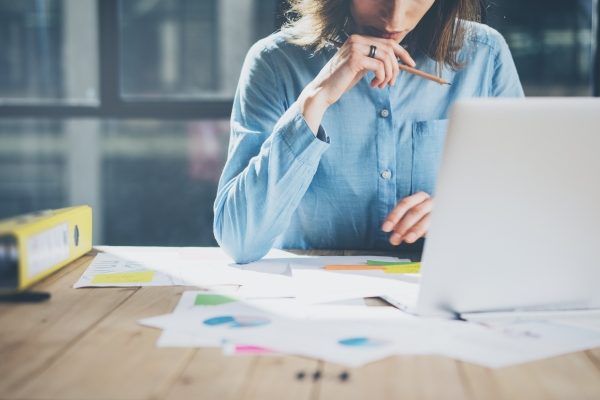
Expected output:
{"points": [[352, 62], [410, 219], [346, 68]]}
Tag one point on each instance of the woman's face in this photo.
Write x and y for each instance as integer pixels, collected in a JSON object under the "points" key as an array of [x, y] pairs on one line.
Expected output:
{"points": [[390, 19]]}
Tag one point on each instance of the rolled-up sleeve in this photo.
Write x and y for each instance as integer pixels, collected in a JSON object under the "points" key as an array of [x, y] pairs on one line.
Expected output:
{"points": [[272, 159]]}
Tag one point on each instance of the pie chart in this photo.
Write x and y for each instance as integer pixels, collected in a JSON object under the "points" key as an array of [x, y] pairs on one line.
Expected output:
{"points": [[237, 321], [362, 341]]}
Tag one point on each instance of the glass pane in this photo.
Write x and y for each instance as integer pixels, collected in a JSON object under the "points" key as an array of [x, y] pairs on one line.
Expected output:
{"points": [[551, 42], [188, 48], [149, 182], [49, 52], [32, 165], [159, 181]]}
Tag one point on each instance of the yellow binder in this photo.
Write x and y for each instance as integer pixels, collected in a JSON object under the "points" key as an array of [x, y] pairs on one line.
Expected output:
{"points": [[33, 246]]}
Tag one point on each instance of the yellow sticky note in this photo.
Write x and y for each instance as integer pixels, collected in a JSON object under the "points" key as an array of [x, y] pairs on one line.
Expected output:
{"points": [[413, 268], [124, 277]]}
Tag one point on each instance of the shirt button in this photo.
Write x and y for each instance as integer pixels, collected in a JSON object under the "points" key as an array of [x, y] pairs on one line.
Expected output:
{"points": [[387, 174], [384, 113]]}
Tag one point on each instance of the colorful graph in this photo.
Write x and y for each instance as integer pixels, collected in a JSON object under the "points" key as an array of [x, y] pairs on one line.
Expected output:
{"points": [[237, 321], [363, 341], [241, 349], [212, 300], [398, 267]]}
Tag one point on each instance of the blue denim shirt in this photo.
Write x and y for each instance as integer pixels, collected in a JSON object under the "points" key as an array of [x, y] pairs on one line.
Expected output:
{"points": [[283, 187]]}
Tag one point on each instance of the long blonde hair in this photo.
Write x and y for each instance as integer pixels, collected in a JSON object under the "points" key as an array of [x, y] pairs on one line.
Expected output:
{"points": [[440, 34]]}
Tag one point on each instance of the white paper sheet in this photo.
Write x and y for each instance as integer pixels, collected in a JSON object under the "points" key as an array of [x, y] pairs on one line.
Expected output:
{"points": [[404, 298], [270, 277], [367, 333], [303, 325], [179, 331], [177, 338], [212, 325], [105, 264], [287, 326], [319, 286], [349, 343], [531, 335], [574, 316], [502, 345], [200, 267]]}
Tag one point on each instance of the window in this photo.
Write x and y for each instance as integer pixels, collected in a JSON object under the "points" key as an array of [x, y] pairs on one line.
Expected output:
{"points": [[43, 43], [124, 104], [188, 49], [153, 181], [552, 43]]}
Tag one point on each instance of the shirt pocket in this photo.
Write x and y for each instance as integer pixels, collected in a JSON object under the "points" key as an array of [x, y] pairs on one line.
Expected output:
{"points": [[428, 139]]}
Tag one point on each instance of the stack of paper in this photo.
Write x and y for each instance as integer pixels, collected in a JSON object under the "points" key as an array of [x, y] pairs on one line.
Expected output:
{"points": [[354, 335], [166, 266], [280, 274], [310, 306], [347, 334]]}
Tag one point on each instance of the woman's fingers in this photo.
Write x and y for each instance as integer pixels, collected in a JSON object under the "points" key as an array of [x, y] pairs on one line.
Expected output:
{"points": [[382, 55], [385, 52], [351, 63], [388, 59], [418, 230], [409, 223], [401, 209], [396, 69], [399, 52], [403, 55], [377, 67], [393, 70]]}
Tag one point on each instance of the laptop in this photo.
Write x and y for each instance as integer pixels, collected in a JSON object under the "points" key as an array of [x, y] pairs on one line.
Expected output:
{"points": [[516, 221]]}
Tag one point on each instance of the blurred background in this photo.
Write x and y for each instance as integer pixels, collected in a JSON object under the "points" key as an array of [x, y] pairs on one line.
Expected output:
{"points": [[124, 104]]}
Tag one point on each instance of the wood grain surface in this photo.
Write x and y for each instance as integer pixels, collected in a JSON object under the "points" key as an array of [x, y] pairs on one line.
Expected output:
{"points": [[86, 344]]}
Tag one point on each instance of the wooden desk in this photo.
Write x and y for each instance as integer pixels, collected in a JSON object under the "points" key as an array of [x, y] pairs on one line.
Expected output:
{"points": [[85, 344]]}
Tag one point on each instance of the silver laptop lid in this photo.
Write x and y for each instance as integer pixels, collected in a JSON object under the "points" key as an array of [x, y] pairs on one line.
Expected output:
{"points": [[516, 221]]}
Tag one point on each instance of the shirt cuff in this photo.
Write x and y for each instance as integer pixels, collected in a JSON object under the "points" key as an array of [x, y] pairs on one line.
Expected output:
{"points": [[301, 141]]}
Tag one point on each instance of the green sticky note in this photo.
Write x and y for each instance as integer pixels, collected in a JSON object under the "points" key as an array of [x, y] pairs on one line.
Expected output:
{"points": [[373, 262], [124, 277], [212, 300], [412, 268]]}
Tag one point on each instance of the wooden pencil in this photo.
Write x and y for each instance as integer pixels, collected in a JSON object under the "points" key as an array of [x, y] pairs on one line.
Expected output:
{"points": [[422, 74]]}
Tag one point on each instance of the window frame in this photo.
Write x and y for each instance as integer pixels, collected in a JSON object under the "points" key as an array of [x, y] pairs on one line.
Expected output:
{"points": [[112, 105], [596, 48]]}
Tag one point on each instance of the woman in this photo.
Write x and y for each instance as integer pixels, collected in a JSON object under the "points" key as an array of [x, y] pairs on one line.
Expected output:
{"points": [[336, 148]]}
